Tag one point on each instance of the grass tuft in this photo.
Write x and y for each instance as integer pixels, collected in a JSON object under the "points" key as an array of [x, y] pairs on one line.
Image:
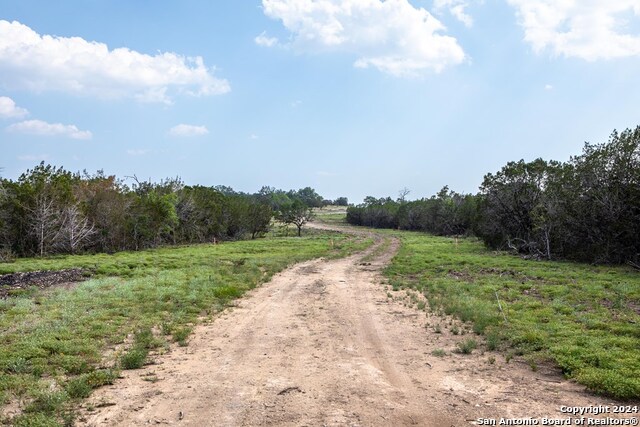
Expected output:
{"points": [[467, 346]]}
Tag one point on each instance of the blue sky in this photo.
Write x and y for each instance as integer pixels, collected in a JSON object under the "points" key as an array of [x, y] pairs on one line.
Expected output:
{"points": [[353, 98]]}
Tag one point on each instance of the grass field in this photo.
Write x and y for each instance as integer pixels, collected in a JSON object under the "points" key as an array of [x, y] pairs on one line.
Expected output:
{"points": [[59, 344], [583, 318], [335, 215]]}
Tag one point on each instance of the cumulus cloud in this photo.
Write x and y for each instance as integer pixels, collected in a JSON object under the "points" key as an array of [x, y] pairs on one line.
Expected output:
{"points": [[44, 62], [41, 128], [457, 8], [264, 40], [591, 30], [9, 110], [183, 130], [392, 36]]}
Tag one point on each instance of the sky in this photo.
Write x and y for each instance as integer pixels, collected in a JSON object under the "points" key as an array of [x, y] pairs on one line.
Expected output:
{"points": [[354, 98]]}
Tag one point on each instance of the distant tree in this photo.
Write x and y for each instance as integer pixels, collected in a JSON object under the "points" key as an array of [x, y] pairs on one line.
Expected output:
{"points": [[296, 213], [402, 195], [153, 217], [226, 190], [308, 196], [43, 223], [341, 201], [75, 230], [275, 198], [258, 218]]}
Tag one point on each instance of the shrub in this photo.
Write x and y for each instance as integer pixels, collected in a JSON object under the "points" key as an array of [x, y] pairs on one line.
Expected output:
{"points": [[467, 346]]}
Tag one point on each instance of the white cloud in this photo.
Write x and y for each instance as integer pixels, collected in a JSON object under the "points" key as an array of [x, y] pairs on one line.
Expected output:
{"points": [[183, 130], [9, 110], [264, 40], [296, 103], [392, 36], [457, 8], [548, 87], [253, 136], [41, 128], [29, 60], [591, 30]]}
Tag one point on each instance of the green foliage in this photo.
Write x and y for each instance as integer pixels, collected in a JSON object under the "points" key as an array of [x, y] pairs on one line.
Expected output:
{"points": [[134, 358], [180, 335], [586, 209], [447, 213], [467, 345], [296, 213], [49, 210], [78, 388]]}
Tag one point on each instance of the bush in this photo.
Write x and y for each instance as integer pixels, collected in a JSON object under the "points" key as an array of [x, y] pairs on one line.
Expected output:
{"points": [[467, 346], [135, 358]]}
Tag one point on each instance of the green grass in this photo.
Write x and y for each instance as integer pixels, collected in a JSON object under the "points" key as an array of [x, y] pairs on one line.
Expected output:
{"points": [[583, 318], [334, 215], [438, 352], [53, 342], [384, 247]]}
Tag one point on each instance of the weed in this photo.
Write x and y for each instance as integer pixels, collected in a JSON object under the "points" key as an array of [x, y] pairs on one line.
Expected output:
{"points": [[152, 378], [134, 358], [166, 328], [454, 329], [78, 388], [491, 360], [467, 346], [492, 340], [20, 365], [437, 329], [180, 336], [438, 352], [47, 403], [35, 420]]}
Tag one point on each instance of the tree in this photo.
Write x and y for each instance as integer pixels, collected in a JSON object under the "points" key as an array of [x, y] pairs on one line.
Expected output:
{"points": [[43, 221], [296, 213], [74, 232], [308, 196], [341, 201], [258, 218], [402, 195]]}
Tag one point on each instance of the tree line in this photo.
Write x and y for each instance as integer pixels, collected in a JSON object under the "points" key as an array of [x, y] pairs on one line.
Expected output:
{"points": [[585, 209], [49, 210]]}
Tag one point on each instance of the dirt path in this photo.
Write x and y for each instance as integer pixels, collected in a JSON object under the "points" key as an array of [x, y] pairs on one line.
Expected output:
{"points": [[323, 344]]}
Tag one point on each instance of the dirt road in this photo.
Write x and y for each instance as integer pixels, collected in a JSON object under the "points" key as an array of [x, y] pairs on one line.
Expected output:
{"points": [[324, 344]]}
